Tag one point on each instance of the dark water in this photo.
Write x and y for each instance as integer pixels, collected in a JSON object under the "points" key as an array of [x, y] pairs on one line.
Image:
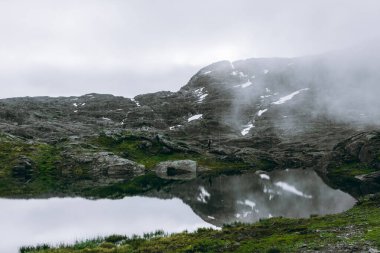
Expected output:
{"points": [[250, 197], [184, 206]]}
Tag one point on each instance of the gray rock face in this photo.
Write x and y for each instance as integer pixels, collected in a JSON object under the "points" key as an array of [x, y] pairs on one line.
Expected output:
{"points": [[361, 151], [279, 112], [103, 166], [177, 170], [114, 167]]}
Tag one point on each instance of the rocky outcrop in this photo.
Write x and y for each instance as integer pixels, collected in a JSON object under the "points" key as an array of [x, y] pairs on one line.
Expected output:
{"points": [[102, 166], [265, 113], [177, 170], [354, 164], [111, 166]]}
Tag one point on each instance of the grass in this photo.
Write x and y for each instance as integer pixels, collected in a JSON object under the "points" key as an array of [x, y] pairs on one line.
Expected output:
{"points": [[359, 226], [130, 146]]}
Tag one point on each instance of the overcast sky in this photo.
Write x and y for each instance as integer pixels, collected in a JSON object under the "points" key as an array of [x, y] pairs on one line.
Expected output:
{"points": [[128, 47]]}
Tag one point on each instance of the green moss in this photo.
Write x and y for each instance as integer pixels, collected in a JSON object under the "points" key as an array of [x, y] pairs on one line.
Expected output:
{"points": [[359, 226], [130, 147], [373, 234], [352, 169]]}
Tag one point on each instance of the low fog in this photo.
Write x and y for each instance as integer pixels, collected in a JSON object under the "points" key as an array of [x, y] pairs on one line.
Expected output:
{"points": [[61, 48], [342, 86]]}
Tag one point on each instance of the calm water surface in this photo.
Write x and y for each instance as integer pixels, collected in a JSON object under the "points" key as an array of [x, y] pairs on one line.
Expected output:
{"points": [[203, 202], [56, 220]]}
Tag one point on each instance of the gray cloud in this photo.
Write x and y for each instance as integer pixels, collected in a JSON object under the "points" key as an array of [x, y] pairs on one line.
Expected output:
{"points": [[131, 47]]}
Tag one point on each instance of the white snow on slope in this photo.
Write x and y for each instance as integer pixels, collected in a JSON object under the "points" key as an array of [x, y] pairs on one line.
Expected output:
{"points": [[174, 127], [207, 72], [289, 97], [202, 97], [247, 202], [244, 85], [247, 128], [200, 94], [290, 188], [261, 112], [137, 103], [264, 176], [195, 117], [266, 71]]}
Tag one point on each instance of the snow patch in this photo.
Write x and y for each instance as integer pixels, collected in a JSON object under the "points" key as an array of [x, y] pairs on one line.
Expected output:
{"points": [[174, 127], [200, 94], [264, 176], [244, 85], [289, 97], [261, 112], [266, 71], [207, 72], [290, 188], [247, 202], [136, 102], [195, 117], [247, 128]]}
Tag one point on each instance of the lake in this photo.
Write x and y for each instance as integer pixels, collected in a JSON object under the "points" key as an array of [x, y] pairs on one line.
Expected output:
{"points": [[187, 205]]}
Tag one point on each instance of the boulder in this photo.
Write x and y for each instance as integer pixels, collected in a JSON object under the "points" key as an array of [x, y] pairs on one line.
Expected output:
{"points": [[106, 164], [177, 170]]}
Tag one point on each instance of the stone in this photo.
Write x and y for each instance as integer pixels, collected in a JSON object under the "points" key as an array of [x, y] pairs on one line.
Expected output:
{"points": [[177, 170]]}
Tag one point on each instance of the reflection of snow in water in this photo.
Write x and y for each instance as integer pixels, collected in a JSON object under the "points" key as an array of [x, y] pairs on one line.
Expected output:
{"points": [[290, 188], [203, 195], [253, 196]]}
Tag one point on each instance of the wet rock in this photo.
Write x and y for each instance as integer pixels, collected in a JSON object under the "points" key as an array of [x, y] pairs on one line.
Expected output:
{"points": [[177, 170]]}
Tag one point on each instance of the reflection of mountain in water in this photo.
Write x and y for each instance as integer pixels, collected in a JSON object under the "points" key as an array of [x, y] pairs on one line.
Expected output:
{"points": [[252, 196]]}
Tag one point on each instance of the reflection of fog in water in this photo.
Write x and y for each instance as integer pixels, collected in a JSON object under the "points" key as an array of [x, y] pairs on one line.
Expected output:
{"points": [[250, 197], [56, 220]]}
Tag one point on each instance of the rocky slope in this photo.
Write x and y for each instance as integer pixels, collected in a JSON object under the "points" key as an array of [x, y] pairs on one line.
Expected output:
{"points": [[259, 114]]}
